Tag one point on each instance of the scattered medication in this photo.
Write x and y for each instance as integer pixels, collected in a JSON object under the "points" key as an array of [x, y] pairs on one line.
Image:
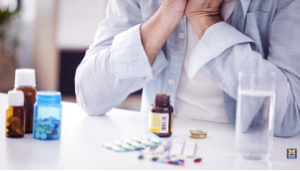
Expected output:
{"points": [[116, 148], [154, 158], [127, 141], [108, 145], [145, 142], [135, 143], [175, 152], [177, 147], [137, 139], [189, 149], [198, 160], [126, 146], [155, 140], [162, 159], [118, 143], [141, 157]]}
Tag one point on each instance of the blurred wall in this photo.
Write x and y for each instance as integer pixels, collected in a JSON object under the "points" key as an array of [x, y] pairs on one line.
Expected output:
{"points": [[27, 34], [78, 22], [46, 50], [49, 27]]}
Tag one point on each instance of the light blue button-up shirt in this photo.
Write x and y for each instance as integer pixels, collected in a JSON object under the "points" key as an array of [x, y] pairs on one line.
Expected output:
{"points": [[263, 36]]}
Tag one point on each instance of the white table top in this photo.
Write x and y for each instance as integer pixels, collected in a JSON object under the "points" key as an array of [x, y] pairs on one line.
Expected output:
{"points": [[80, 146]]}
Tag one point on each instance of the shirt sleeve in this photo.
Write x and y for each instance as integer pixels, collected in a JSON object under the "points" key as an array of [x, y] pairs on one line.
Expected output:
{"points": [[128, 58], [218, 38], [223, 52], [116, 64]]}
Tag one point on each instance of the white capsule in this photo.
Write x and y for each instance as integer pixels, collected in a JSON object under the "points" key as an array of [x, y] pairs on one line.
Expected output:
{"points": [[146, 142], [127, 141], [135, 144], [116, 148], [108, 145], [118, 143], [155, 140], [126, 146], [137, 139]]}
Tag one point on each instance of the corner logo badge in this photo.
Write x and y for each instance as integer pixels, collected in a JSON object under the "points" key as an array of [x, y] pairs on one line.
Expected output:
{"points": [[291, 153]]}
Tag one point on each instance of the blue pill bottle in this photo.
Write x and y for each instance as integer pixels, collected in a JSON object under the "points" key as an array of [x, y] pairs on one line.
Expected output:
{"points": [[47, 115]]}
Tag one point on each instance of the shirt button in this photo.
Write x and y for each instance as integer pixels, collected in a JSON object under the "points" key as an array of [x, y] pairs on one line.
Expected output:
{"points": [[171, 81], [181, 35]]}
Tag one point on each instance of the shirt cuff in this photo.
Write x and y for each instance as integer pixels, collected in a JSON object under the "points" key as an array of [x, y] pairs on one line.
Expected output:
{"points": [[129, 59], [216, 39]]}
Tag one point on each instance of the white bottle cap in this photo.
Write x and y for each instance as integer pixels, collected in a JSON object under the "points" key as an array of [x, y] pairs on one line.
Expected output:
{"points": [[15, 98], [25, 77]]}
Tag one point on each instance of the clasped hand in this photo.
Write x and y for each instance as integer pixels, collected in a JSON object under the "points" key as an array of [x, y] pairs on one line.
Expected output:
{"points": [[201, 13]]}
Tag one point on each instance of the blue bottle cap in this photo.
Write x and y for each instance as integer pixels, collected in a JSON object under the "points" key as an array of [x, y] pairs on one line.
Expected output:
{"points": [[48, 97]]}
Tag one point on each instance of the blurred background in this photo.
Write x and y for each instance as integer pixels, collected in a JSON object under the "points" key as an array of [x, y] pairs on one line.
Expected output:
{"points": [[50, 36]]}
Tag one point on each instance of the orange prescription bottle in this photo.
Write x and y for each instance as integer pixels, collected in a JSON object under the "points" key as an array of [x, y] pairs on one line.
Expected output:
{"points": [[15, 115]]}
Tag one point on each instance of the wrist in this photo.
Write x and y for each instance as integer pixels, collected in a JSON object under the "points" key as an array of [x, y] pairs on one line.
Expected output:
{"points": [[170, 16], [201, 24]]}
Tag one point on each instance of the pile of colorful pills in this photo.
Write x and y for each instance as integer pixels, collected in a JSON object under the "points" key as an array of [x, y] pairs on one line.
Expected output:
{"points": [[167, 159], [47, 129], [163, 159], [14, 127], [147, 140]]}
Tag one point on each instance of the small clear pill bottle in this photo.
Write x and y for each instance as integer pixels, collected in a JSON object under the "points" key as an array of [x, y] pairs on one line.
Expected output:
{"points": [[161, 116], [15, 115], [47, 115]]}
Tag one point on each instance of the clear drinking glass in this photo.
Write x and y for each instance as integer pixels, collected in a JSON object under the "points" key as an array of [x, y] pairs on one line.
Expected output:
{"points": [[255, 115]]}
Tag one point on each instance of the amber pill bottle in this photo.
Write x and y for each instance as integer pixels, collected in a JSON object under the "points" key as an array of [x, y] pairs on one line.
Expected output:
{"points": [[25, 81], [15, 115], [161, 116]]}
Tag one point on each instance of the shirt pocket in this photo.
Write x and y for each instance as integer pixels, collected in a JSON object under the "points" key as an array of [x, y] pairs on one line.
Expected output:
{"points": [[257, 27]]}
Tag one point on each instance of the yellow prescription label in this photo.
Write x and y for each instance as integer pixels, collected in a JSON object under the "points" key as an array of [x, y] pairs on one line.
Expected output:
{"points": [[160, 122]]}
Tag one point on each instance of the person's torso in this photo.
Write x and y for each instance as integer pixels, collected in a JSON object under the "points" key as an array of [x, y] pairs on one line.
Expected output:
{"points": [[200, 97], [254, 23]]}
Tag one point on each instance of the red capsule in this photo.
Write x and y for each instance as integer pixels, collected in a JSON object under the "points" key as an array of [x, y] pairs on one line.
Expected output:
{"points": [[170, 162], [197, 160]]}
